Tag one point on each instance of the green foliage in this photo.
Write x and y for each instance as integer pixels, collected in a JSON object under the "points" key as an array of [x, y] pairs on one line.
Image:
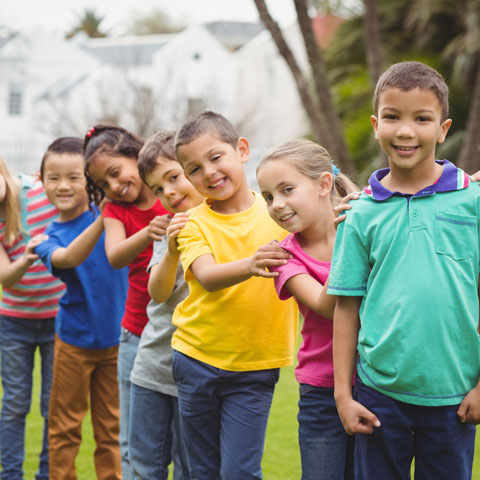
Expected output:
{"points": [[441, 33], [89, 23], [154, 22]]}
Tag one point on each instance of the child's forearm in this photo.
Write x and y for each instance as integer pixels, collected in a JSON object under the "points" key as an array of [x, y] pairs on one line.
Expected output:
{"points": [[162, 277], [80, 248], [213, 276], [120, 250], [346, 324], [12, 272]]}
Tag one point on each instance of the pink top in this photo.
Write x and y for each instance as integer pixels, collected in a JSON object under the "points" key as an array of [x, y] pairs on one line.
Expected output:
{"points": [[134, 219], [315, 361]]}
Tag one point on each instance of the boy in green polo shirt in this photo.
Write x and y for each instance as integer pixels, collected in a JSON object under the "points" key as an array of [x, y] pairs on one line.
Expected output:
{"points": [[405, 268]]}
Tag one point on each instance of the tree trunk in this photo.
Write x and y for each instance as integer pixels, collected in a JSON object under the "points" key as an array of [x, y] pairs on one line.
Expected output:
{"points": [[316, 119], [337, 146], [469, 156], [373, 44]]}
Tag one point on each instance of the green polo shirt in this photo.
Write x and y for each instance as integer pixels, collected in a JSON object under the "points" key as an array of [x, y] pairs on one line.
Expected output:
{"points": [[415, 261]]}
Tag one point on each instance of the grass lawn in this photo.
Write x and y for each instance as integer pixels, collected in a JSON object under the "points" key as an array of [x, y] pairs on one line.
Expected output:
{"points": [[281, 459]]}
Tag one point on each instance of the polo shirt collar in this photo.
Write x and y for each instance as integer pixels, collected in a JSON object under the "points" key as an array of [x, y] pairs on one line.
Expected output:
{"points": [[452, 179]]}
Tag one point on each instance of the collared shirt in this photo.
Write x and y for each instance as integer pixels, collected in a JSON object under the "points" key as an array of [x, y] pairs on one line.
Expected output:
{"points": [[415, 261]]}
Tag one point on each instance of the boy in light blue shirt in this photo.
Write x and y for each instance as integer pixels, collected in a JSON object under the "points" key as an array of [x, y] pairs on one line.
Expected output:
{"points": [[406, 268]]}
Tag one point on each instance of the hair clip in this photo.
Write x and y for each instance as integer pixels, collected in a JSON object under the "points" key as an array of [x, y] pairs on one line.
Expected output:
{"points": [[335, 169], [90, 132]]}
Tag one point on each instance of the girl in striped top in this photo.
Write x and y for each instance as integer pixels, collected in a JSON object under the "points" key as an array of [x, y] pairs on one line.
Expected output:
{"points": [[28, 308]]}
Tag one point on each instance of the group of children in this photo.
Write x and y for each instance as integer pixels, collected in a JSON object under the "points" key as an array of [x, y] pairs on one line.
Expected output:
{"points": [[198, 332]]}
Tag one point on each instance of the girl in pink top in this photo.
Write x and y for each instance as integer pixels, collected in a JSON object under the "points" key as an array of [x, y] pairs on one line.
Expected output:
{"points": [[132, 219], [301, 185]]}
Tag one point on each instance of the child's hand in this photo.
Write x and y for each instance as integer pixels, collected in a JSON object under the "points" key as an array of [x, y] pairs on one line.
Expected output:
{"points": [[158, 227], [469, 409], [268, 255], [104, 201], [29, 256], [176, 224], [344, 206], [356, 418], [475, 177]]}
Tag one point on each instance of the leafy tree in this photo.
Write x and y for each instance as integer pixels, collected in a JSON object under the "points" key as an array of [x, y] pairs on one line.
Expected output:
{"points": [[156, 21], [88, 22]]}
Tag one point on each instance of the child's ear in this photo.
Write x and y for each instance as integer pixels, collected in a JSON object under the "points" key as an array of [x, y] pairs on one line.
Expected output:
{"points": [[445, 126], [325, 182], [374, 121], [243, 148]]}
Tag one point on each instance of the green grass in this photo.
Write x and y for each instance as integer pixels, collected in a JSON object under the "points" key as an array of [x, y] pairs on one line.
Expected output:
{"points": [[281, 458]]}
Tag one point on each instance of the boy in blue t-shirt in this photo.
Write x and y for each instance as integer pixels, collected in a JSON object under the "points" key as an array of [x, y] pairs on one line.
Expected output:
{"points": [[405, 268]]}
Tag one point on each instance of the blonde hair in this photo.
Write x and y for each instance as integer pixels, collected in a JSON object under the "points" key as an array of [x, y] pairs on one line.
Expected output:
{"points": [[311, 160], [13, 219]]}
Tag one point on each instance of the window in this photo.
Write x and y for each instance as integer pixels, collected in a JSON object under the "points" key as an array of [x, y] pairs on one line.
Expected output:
{"points": [[15, 100]]}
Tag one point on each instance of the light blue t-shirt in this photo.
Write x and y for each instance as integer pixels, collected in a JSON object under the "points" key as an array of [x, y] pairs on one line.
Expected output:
{"points": [[92, 307], [415, 261]]}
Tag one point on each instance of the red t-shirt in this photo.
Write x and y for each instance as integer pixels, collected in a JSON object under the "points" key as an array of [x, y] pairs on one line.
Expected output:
{"points": [[134, 219]]}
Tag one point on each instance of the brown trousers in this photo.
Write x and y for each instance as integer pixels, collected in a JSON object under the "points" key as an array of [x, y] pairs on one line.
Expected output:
{"points": [[78, 372]]}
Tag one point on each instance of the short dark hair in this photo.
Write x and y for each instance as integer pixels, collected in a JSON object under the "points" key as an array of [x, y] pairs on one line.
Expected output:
{"points": [[70, 145], [160, 144], [207, 122], [410, 75], [111, 140]]}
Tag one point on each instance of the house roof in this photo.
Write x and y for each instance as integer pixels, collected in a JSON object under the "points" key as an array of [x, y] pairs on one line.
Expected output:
{"points": [[233, 35], [126, 51]]}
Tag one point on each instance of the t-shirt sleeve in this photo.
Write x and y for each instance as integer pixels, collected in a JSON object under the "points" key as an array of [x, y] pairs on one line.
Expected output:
{"points": [[293, 267], [350, 267], [159, 249], [45, 251], [112, 210], [191, 245]]}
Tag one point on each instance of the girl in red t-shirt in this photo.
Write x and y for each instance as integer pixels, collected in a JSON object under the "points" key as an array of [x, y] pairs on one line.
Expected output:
{"points": [[132, 220]]}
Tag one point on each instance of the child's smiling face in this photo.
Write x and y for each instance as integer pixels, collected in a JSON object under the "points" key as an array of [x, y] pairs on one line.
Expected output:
{"points": [[117, 176], [409, 126], [65, 184], [169, 183]]}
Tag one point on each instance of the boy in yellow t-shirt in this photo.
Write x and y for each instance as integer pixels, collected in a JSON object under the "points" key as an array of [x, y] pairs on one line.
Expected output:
{"points": [[233, 333]]}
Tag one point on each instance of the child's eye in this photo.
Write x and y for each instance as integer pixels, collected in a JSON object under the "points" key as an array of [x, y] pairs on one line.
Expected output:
{"points": [[287, 190], [216, 157], [390, 116], [158, 191], [114, 173], [193, 170], [423, 119], [268, 198], [173, 178]]}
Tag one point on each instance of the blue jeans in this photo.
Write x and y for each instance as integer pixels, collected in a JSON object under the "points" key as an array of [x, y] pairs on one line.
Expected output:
{"points": [[127, 352], [443, 447], [224, 416], [155, 436], [19, 338], [325, 449]]}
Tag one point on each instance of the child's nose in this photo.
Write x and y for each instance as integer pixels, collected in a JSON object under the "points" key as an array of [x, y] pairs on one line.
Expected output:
{"points": [[405, 129]]}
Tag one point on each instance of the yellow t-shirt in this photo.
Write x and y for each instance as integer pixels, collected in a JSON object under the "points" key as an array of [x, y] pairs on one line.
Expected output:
{"points": [[240, 328]]}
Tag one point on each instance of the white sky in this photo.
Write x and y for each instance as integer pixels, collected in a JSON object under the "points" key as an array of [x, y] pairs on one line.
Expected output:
{"points": [[59, 16]]}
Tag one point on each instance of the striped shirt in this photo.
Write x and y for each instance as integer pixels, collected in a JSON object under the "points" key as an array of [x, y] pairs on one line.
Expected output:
{"points": [[36, 295]]}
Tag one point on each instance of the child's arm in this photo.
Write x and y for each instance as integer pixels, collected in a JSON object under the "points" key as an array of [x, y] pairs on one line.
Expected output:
{"points": [[163, 274], [469, 410], [312, 294], [12, 272], [120, 250], [346, 324], [213, 276]]}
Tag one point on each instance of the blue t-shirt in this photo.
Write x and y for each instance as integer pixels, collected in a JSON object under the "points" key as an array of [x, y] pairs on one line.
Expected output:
{"points": [[92, 307]]}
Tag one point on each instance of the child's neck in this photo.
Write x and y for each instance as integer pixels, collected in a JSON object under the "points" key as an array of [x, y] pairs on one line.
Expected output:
{"points": [[146, 199], [318, 240], [240, 201], [69, 215], [411, 181]]}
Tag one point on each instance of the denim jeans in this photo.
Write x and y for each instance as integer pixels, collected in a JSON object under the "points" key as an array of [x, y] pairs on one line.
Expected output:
{"points": [[443, 447], [127, 352], [19, 339], [154, 436], [325, 449], [223, 416]]}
